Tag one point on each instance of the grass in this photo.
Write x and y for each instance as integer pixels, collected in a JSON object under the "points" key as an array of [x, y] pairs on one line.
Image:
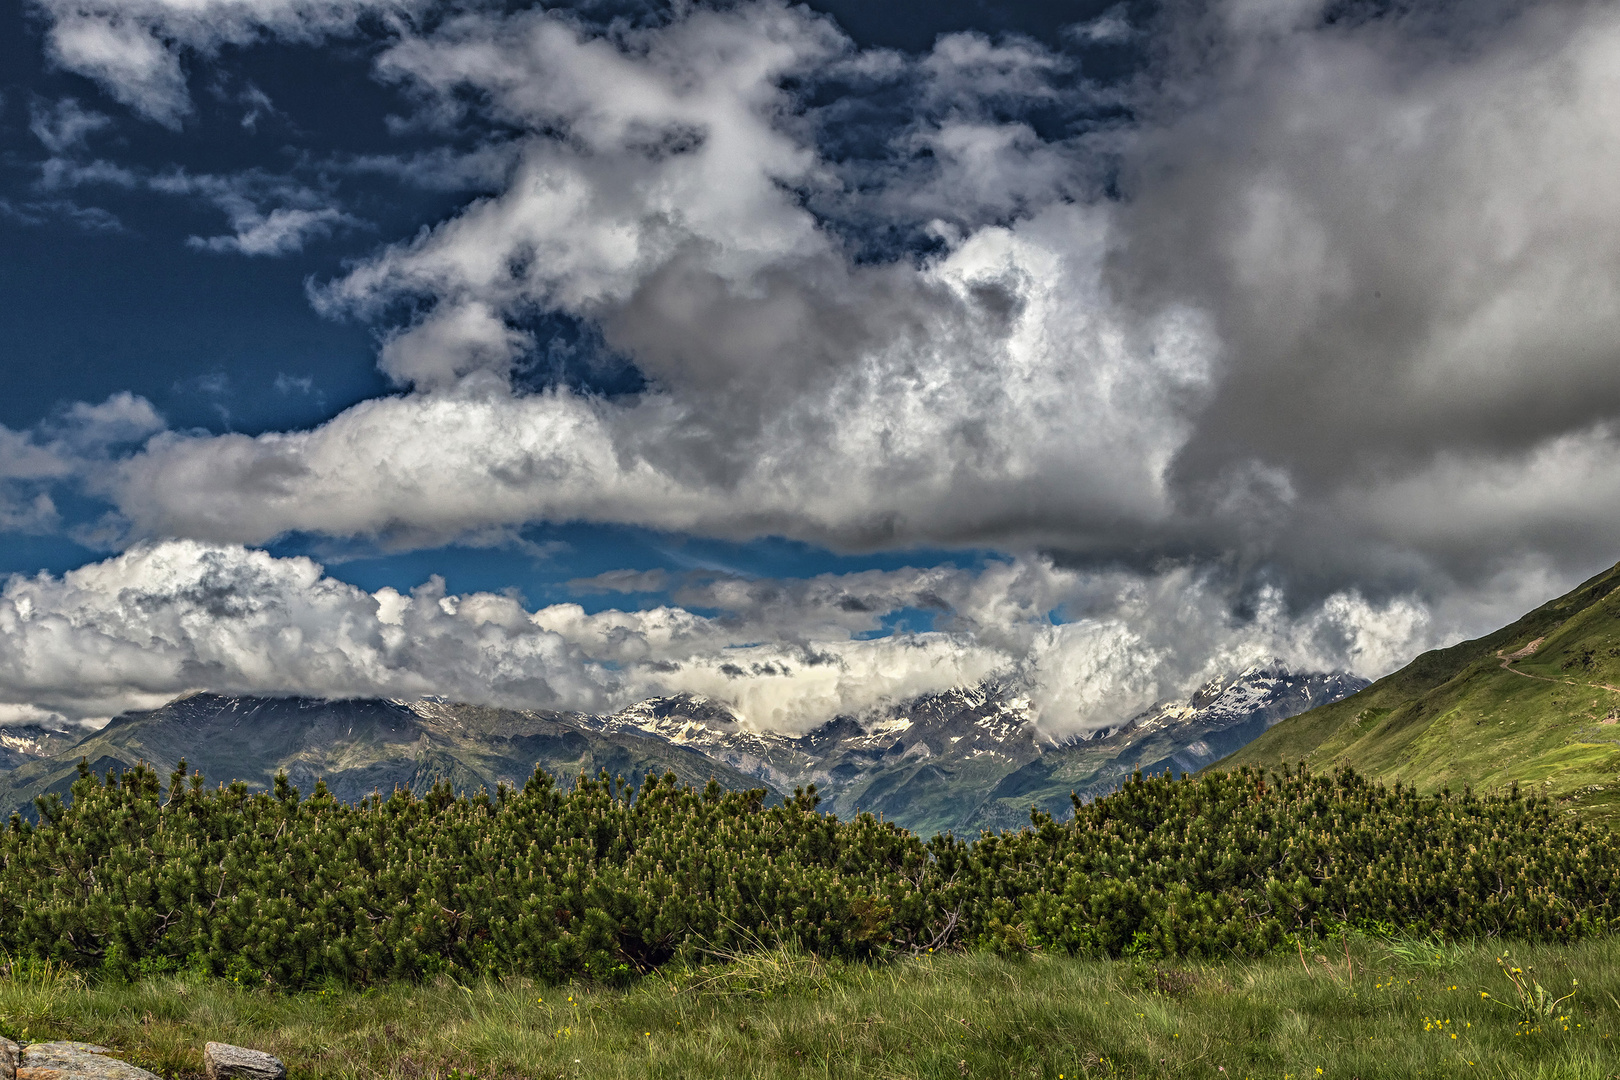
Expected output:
{"points": [[1364, 1008], [1547, 720]]}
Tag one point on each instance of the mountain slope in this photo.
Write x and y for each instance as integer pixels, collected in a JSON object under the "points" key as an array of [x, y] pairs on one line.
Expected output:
{"points": [[925, 764], [358, 747], [974, 758], [1221, 717], [22, 743], [1535, 703]]}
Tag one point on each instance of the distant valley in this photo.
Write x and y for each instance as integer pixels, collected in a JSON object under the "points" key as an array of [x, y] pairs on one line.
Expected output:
{"points": [[960, 761]]}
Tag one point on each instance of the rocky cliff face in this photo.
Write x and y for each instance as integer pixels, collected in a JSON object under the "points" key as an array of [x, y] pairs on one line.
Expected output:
{"points": [[917, 764]]}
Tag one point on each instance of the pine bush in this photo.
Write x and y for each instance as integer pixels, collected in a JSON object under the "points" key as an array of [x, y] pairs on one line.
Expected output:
{"points": [[606, 882]]}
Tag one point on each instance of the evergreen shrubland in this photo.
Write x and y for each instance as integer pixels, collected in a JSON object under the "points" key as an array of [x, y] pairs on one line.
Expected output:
{"points": [[605, 882]]}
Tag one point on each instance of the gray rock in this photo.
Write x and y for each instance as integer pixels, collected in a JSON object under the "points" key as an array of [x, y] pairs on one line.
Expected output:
{"points": [[221, 1060], [10, 1058], [75, 1061]]}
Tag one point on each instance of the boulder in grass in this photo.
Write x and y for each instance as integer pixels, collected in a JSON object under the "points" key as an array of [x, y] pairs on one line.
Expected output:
{"points": [[75, 1061], [222, 1061], [10, 1058]]}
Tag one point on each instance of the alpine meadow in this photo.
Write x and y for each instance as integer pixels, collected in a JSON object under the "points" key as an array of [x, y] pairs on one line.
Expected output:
{"points": [[809, 540]]}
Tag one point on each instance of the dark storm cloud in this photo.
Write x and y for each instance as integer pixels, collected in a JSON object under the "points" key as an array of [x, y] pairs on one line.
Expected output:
{"points": [[1400, 227]]}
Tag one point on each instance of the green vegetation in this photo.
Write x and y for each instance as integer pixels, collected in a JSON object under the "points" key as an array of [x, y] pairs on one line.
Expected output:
{"points": [[1536, 704], [1361, 1007], [608, 883]]}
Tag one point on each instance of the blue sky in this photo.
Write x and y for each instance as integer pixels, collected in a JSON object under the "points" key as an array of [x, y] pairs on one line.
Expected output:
{"points": [[1094, 348]]}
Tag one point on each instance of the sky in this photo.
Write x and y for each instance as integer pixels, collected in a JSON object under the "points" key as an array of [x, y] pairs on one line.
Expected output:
{"points": [[806, 357]]}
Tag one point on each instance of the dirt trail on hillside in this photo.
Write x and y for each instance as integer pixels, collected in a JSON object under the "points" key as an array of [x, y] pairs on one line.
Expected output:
{"points": [[1529, 650]]}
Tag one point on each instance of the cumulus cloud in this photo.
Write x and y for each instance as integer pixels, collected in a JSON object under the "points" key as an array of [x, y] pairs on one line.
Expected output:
{"points": [[1401, 233], [138, 628], [1346, 258], [133, 48], [1328, 303]]}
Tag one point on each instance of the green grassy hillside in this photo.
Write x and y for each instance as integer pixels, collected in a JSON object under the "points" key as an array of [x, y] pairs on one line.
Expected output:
{"points": [[1536, 703]]}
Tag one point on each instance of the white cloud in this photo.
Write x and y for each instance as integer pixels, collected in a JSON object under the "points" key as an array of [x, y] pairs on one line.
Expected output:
{"points": [[279, 232], [1193, 369], [1110, 28], [40, 211], [87, 428], [270, 214], [14, 715], [56, 450], [483, 168], [163, 618], [27, 511], [130, 61], [64, 126], [134, 48], [908, 445], [969, 71]]}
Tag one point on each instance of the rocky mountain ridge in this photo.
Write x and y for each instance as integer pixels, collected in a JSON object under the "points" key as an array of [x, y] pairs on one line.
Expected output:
{"points": [[975, 757], [21, 743], [961, 760], [356, 747], [1186, 736]]}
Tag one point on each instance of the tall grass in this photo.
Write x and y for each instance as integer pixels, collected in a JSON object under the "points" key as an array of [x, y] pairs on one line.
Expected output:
{"points": [[1363, 1008]]}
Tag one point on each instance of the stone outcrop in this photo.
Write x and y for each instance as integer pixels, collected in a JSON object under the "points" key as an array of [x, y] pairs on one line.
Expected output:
{"points": [[221, 1061], [74, 1061], [86, 1061]]}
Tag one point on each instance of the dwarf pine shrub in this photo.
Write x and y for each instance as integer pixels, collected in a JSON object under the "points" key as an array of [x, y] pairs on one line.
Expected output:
{"points": [[605, 882]]}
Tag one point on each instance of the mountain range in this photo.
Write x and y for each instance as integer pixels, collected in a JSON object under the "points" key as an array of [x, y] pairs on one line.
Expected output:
{"points": [[21, 743], [975, 758], [958, 761], [1536, 704]]}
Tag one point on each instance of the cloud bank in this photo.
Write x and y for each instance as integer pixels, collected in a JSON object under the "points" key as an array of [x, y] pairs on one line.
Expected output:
{"points": [[137, 629]]}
